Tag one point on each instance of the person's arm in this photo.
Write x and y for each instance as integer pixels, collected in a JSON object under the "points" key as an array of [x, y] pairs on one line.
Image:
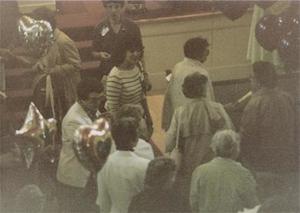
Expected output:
{"points": [[103, 198], [172, 133], [194, 194], [113, 93], [168, 108], [147, 83], [249, 122], [248, 191]]}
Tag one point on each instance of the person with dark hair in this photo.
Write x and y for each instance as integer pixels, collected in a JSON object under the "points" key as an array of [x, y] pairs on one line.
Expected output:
{"points": [[109, 35], [158, 194], [268, 125], [122, 176], [124, 83], [223, 185], [192, 127], [195, 52], [62, 63], [71, 174]]}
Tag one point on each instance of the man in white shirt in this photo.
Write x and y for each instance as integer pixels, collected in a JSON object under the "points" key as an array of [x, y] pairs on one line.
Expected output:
{"points": [[195, 52], [122, 176], [71, 175]]}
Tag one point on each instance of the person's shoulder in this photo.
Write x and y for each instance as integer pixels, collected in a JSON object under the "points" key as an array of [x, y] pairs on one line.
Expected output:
{"points": [[62, 38], [203, 168], [72, 110], [140, 162], [115, 72], [101, 24], [143, 144], [129, 22]]}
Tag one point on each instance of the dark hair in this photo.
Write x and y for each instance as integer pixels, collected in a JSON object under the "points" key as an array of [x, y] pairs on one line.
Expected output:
{"points": [[124, 133], [124, 44], [44, 13], [264, 73], [106, 2], [87, 86], [158, 172], [193, 85], [195, 47]]}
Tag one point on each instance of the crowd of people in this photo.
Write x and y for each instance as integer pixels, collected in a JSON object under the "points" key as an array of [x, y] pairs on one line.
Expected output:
{"points": [[208, 165]]}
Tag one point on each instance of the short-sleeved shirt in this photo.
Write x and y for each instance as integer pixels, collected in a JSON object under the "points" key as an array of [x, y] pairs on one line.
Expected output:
{"points": [[222, 185], [105, 40], [120, 179]]}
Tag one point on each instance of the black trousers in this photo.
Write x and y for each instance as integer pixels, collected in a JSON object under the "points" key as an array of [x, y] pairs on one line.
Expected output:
{"points": [[75, 199]]}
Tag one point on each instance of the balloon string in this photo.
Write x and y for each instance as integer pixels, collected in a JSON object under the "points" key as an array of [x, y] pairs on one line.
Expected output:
{"points": [[49, 94]]}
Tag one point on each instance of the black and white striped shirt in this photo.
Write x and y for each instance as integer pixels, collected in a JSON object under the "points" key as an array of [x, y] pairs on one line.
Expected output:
{"points": [[123, 87]]}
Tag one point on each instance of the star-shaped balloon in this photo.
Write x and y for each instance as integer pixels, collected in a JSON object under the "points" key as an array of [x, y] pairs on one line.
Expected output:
{"points": [[35, 126]]}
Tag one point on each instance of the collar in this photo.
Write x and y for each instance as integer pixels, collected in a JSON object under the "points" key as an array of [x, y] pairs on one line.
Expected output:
{"points": [[192, 61], [122, 22], [56, 33], [124, 153], [92, 115]]}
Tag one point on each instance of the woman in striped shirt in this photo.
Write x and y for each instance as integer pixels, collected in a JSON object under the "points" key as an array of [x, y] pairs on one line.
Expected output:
{"points": [[123, 84]]}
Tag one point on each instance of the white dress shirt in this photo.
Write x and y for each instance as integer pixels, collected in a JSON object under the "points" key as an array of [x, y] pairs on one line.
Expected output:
{"points": [[121, 178]]}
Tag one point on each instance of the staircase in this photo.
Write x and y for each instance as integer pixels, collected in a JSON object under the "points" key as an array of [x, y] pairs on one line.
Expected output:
{"points": [[19, 79]]}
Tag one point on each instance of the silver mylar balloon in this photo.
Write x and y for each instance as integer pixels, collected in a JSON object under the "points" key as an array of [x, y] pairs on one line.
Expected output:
{"points": [[36, 35], [92, 144]]}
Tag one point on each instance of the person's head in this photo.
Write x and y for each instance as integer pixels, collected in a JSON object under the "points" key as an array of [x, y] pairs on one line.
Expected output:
{"points": [[125, 134], [194, 85], [129, 51], [114, 9], [196, 48], [160, 173], [90, 92], [134, 111], [286, 202], [130, 110], [46, 14], [30, 199], [264, 75], [226, 144]]}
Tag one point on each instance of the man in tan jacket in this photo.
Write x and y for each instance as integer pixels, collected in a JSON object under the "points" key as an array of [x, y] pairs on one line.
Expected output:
{"points": [[62, 64]]}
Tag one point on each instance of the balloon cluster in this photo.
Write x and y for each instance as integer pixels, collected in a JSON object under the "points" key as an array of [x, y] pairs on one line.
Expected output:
{"points": [[37, 128], [281, 32], [37, 36], [236, 9], [92, 144], [232, 9]]}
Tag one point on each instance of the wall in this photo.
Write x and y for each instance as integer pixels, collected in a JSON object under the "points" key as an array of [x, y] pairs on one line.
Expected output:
{"points": [[164, 39], [28, 6]]}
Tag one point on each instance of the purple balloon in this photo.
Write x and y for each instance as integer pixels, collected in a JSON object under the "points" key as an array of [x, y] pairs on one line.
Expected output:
{"points": [[266, 32], [233, 9], [288, 49]]}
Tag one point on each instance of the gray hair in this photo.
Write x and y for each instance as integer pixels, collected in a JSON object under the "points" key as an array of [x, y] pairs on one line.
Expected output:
{"points": [[225, 143]]}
